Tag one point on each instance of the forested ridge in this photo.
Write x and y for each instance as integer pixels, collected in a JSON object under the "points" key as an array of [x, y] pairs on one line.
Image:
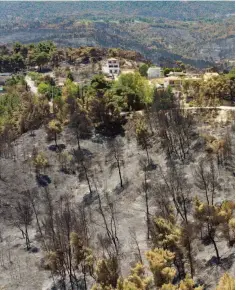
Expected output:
{"points": [[18, 57]]}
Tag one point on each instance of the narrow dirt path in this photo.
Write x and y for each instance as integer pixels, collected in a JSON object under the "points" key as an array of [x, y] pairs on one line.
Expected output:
{"points": [[220, 107], [34, 90], [31, 85]]}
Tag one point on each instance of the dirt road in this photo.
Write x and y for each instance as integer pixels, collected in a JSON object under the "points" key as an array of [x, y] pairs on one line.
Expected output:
{"points": [[220, 107], [31, 85]]}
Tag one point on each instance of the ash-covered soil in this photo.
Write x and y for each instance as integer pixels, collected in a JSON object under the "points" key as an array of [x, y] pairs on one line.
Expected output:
{"points": [[21, 270]]}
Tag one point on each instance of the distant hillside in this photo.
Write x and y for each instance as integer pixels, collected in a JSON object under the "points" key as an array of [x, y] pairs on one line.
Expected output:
{"points": [[174, 10], [198, 33]]}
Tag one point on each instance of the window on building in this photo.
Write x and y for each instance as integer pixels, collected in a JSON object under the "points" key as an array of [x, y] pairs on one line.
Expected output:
{"points": [[110, 71]]}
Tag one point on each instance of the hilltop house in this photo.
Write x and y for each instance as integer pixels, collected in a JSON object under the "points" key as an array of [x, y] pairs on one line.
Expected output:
{"points": [[154, 72], [209, 75], [176, 80], [173, 81], [111, 67]]}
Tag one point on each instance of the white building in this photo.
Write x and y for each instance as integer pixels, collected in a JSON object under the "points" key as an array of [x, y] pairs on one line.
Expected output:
{"points": [[209, 75], [154, 72], [111, 67], [173, 81], [176, 82]]}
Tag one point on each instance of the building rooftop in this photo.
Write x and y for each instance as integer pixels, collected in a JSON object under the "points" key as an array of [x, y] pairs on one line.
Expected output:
{"points": [[153, 68], [210, 75], [112, 58], [175, 73], [192, 78], [173, 78]]}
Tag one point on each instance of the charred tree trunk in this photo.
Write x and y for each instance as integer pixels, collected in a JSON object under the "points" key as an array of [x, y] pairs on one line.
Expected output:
{"points": [[189, 248], [118, 165], [211, 236]]}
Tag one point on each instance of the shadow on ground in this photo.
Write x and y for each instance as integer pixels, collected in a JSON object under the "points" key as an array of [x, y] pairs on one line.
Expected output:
{"points": [[43, 180], [58, 148]]}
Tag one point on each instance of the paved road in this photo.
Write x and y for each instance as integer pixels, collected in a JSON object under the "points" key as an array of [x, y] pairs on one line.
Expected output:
{"points": [[31, 85]]}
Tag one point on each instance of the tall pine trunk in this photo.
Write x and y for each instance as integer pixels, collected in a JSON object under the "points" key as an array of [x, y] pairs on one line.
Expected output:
{"points": [[121, 181]]}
